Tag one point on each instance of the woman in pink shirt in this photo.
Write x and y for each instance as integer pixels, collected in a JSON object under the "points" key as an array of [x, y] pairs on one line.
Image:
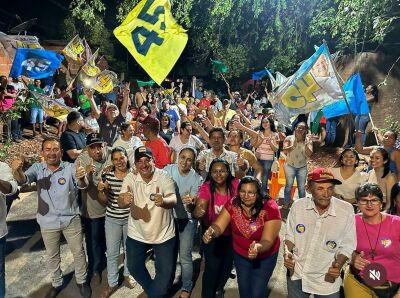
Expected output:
{"points": [[378, 243], [218, 189], [255, 222]]}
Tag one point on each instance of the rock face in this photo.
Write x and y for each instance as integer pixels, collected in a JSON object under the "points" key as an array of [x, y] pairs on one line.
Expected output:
{"points": [[373, 68]]}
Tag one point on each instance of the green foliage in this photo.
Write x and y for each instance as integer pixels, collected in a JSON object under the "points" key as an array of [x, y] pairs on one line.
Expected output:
{"points": [[87, 10], [391, 123]]}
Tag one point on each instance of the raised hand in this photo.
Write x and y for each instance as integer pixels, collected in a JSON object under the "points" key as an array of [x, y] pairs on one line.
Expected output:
{"points": [[102, 186], [359, 262], [333, 272], [125, 199], [90, 168], [80, 172], [208, 235], [158, 198], [253, 250], [187, 199], [17, 164], [239, 161]]}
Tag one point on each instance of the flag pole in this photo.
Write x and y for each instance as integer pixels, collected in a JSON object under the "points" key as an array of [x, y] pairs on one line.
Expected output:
{"points": [[341, 85], [373, 126]]}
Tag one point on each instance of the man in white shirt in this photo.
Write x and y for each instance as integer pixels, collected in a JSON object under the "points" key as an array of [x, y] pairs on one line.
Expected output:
{"points": [[320, 238], [151, 196], [8, 186]]}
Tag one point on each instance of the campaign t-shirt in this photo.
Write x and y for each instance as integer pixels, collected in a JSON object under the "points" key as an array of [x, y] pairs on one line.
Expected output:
{"points": [[245, 230]]}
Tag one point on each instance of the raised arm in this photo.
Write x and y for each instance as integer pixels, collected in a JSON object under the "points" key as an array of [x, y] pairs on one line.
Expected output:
{"points": [[93, 107], [125, 101]]}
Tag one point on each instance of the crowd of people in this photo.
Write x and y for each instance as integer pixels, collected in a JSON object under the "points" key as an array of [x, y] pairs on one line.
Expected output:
{"points": [[133, 171]]}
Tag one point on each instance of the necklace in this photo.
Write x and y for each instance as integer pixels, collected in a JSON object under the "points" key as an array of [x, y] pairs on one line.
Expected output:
{"points": [[372, 251]]}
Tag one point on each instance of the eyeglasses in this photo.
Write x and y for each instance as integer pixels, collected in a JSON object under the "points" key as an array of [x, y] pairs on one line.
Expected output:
{"points": [[373, 202], [300, 128], [221, 172], [249, 193]]}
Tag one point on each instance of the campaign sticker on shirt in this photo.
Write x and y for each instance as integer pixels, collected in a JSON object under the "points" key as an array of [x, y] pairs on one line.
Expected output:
{"points": [[153, 197], [61, 181], [300, 228], [375, 275], [330, 244], [385, 241], [253, 226]]}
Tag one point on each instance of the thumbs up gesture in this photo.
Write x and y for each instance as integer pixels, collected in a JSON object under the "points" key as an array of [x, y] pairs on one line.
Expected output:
{"points": [[240, 161], [102, 185], [358, 260], [289, 262], [253, 250], [125, 199], [80, 172], [90, 168], [158, 198], [333, 272], [17, 164], [208, 235]]}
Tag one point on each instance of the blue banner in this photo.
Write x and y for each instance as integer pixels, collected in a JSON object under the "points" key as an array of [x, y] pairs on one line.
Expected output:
{"points": [[35, 63], [355, 97], [258, 75]]}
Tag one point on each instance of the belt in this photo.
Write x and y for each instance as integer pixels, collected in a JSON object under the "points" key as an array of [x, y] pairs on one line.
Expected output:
{"points": [[387, 285]]}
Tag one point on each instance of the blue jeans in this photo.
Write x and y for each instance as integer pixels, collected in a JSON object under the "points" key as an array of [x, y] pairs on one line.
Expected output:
{"points": [[266, 164], [331, 125], [253, 275], [95, 238], [186, 229], [301, 176], [295, 290], [361, 125], [164, 260], [116, 232], [37, 113], [2, 267]]}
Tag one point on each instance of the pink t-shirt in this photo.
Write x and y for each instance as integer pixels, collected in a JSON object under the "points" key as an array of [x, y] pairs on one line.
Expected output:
{"points": [[245, 230], [219, 201], [387, 247]]}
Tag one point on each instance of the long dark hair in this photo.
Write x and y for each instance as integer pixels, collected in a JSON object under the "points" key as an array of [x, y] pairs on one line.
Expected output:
{"points": [[259, 203], [271, 123], [123, 150], [228, 181], [385, 157], [393, 195]]}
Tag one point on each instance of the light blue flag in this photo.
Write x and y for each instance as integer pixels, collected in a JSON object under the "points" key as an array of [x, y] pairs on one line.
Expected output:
{"points": [[355, 97], [35, 63], [312, 87]]}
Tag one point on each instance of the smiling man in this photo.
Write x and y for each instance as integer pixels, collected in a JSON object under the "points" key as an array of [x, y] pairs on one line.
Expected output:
{"points": [[151, 196], [320, 237]]}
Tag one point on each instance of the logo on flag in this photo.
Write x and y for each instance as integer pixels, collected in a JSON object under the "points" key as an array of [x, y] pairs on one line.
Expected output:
{"points": [[153, 37], [74, 48]]}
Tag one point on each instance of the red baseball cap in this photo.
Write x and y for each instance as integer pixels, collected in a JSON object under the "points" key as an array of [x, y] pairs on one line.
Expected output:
{"points": [[322, 175]]}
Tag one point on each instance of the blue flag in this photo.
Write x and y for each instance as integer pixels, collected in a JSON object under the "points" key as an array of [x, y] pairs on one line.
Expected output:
{"points": [[355, 97], [35, 63], [258, 75]]}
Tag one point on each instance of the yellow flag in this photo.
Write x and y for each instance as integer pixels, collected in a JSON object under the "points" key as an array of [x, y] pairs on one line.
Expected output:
{"points": [[153, 37], [168, 91], [74, 48], [105, 81], [90, 67]]}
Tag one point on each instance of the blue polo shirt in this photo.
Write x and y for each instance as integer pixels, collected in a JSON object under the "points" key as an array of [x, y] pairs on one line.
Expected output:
{"points": [[57, 194]]}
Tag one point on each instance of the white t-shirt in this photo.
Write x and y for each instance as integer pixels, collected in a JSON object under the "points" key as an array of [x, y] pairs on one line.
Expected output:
{"points": [[176, 145], [130, 146], [155, 224], [349, 185]]}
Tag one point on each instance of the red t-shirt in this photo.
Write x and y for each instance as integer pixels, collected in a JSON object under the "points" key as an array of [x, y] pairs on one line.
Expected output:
{"points": [[219, 201], [245, 230], [206, 102], [161, 152]]}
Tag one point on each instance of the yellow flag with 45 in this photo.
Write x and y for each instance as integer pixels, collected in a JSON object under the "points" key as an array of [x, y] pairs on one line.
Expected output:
{"points": [[153, 37]]}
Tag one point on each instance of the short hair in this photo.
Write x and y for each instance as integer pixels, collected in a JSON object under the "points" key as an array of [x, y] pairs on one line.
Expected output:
{"points": [[349, 150], [215, 130], [124, 126], [241, 135], [393, 133], [185, 124], [368, 189], [50, 139]]}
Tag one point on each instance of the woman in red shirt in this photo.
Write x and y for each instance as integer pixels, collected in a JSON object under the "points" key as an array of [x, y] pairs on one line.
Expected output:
{"points": [[255, 222]]}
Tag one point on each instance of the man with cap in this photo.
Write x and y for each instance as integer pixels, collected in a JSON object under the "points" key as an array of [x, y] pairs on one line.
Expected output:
{"points": [[94, 160], [159, 147], [109, 122], [58, 210], [150, 194], [73, 139], [320, 238]]}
